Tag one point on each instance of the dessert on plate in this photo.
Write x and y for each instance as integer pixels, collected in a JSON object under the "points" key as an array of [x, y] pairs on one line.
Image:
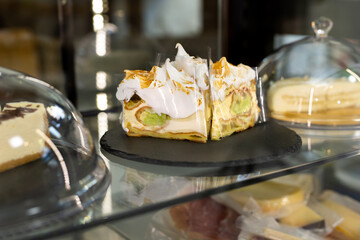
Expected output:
{"points": [[234, 102], [303, 99], [171, 101], [23, 126]]}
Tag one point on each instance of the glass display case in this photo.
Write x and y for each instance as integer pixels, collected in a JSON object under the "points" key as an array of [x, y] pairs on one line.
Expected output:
{"points": [[75, 189], [313, 82], [50, 170], [138, 190]]}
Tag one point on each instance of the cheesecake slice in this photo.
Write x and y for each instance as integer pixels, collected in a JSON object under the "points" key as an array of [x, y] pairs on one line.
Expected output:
{"points": [[233, 95], [22, 127]]}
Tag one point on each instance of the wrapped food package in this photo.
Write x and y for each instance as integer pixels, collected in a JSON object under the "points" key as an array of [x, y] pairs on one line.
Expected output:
{"points": [[267, 228], [277, 198], [348, 209]]}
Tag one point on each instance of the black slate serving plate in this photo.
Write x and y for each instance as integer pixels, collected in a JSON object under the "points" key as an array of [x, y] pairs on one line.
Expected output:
{"points": [[263, 143]]}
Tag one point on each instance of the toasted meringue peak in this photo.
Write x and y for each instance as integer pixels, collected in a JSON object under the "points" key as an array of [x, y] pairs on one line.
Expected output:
{"points": [[181, 50], [195, 67], [224, 74], [165, 89]]}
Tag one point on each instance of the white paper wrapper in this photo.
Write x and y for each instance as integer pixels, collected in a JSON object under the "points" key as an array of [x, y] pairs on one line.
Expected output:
{"points": [[332, 219], [267, 227]]}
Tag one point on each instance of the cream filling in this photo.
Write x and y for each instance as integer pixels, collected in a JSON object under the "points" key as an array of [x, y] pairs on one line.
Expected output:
{"points": [[194, 123]]}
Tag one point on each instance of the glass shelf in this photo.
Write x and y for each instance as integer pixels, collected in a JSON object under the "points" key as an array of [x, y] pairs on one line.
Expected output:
{"points": [[139, 188]]}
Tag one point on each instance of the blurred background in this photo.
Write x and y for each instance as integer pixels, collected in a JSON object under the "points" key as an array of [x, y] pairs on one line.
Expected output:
{"points": [[86, 44]]}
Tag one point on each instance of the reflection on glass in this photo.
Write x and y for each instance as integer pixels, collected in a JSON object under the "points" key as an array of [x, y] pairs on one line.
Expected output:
{"points": [[101, 43], [98, 22], [59, 157], [101, 78], [102, 124], [101, 101], [353, 76], [16, 141], [98, 6]]}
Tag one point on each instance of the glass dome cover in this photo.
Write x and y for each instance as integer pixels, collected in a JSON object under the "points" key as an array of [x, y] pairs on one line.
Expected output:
{"points": [[49, 169], [314, 82]]}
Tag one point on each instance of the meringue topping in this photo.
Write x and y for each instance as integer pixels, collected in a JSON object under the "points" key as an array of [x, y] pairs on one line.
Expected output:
{"points": [[166, 89], [194, 67], [224, 74]]}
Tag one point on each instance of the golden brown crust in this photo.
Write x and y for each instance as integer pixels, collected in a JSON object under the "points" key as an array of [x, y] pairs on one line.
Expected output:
{"points": [[17, 162]]}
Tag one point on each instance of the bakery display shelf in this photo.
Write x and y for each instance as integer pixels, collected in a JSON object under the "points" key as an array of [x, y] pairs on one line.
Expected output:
{"points": [[139, 188]]}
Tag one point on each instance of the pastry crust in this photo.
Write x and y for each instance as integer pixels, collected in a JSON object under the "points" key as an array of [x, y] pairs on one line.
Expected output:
{"points": [[18, 162]]}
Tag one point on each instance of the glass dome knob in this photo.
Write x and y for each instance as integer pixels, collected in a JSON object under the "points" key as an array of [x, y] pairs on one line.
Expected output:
{"points": [[322, 27]]}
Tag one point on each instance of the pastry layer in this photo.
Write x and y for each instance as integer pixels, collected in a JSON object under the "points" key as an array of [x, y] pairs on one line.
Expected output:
{"points": [[19, 142]]}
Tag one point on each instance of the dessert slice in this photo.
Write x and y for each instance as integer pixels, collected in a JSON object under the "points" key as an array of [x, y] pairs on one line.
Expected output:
{"points": [[20, 141], [165, 102], [234, 102]]}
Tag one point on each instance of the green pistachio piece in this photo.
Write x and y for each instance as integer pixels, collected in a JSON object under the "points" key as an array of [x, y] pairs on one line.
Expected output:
{"points": [[241, 104], [149, 118]]}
